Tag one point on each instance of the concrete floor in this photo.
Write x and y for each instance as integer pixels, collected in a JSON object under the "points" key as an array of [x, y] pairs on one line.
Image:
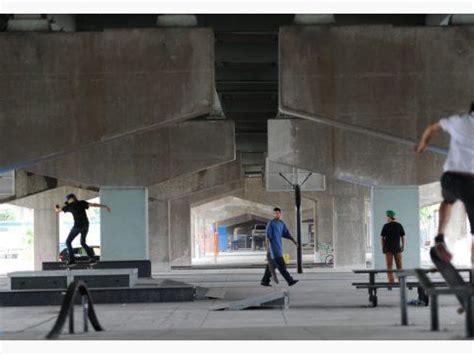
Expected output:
{"points": [[323, 305]]}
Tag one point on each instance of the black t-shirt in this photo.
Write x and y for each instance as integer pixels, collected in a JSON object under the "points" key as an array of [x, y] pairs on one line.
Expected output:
{"points": [[78, 210], [392, 233]]}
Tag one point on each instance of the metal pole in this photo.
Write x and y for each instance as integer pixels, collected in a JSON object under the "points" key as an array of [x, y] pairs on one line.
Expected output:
{"points": [[299, 251], [403, 298], [85, 313]]}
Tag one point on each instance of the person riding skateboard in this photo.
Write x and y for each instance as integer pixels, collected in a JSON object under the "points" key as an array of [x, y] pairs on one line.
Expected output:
{"points": [[276, 230], [457, 181], [393, 243], [81, 224]]}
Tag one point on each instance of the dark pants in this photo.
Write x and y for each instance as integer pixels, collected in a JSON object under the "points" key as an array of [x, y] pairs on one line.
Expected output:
{"points": [[281, 266], [73, 234], [458, 186]]}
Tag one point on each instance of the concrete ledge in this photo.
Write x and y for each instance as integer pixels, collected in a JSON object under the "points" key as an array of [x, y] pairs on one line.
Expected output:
{"points": [[149, 294], [59, 279], [143, 266]]}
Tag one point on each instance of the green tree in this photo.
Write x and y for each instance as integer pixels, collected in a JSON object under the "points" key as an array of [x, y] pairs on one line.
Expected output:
{"points": [[7, 215]]}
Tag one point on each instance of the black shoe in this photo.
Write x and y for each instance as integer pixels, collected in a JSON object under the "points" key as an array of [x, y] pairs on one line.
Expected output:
{"points": [[267, 284], [291, 283], [71, 263]]}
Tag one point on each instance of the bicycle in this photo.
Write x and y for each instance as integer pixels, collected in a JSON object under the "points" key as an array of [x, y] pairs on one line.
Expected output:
{"points": [[326, 251]]}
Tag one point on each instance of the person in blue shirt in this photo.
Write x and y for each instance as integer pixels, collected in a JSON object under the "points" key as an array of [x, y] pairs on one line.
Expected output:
{"points": [[276, 229]]}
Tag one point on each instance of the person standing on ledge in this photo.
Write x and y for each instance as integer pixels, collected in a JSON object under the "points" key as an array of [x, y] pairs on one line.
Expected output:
{"points": [[81, 224], [393, 243], [276, 230], [457, 181]]}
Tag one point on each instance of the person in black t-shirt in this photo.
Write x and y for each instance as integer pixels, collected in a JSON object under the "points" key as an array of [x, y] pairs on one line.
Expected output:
{"points": [[393, 243], [81, 223]]}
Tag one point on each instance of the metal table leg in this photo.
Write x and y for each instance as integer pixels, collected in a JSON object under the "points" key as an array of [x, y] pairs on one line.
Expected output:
{"points": [[403, 299], [434, 312]]}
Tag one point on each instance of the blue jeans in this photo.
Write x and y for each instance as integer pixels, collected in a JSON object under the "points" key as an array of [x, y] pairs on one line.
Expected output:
{"points": [[73, 234]]}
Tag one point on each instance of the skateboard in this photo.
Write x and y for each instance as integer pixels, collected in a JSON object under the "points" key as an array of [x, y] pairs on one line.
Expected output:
{"points": [[88, 264], [449, 273], [271, 266]]}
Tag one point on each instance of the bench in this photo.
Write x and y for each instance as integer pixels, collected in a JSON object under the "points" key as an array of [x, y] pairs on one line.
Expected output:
{"points": [[372, 286], [464, 292]]}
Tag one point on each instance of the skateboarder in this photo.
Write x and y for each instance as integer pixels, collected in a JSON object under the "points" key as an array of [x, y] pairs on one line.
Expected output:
{"points": [[81, 224], [393, 243], [276, 229], [457, 181]]}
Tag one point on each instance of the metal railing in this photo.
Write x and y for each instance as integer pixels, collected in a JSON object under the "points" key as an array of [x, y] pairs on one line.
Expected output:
{"points": [[67, 310]]}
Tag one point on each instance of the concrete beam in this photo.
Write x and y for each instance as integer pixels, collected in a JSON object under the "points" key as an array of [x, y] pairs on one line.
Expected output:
{"points": [[94, 87], [148, 158], [28, 23], [348, 156], [176, 21], [377, 77], [198, 181], [378, 87], [310, 19]]}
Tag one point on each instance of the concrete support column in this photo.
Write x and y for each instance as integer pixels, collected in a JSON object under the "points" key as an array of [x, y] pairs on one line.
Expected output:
{"points": [[46, 231], [324, 226], [159, 235], [124, 231], [348, 226], [180, 232], [324, 220]]}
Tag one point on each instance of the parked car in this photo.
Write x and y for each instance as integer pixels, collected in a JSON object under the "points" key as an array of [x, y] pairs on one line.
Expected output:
{"points": [[240, 239], [258, 233], [80, 253]]}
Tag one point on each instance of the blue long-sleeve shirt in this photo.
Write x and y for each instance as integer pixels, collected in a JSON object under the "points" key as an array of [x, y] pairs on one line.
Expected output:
{"points": [[276, 229]]}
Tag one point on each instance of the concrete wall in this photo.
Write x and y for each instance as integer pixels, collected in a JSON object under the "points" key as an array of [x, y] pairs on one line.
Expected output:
{"points": [[404, 200], [76, 89]]}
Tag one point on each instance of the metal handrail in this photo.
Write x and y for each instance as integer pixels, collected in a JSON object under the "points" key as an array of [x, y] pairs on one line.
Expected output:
{"points": [[67, 309]]}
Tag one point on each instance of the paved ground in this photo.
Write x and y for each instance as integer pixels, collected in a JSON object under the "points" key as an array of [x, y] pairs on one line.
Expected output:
{"points": [[323, 305]]}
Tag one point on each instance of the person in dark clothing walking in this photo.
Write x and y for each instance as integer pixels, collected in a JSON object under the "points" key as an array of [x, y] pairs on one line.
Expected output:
{"points": [[393, 243], [81, 223], [276, 229]]}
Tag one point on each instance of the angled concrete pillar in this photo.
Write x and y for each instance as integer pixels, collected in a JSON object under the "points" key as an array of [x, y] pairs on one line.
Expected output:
{"points": [[377, 88], [124, 231], [150, 158]]}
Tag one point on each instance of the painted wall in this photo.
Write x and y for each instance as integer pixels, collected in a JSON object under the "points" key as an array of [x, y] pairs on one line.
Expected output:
{"points": [[404, 200]]}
